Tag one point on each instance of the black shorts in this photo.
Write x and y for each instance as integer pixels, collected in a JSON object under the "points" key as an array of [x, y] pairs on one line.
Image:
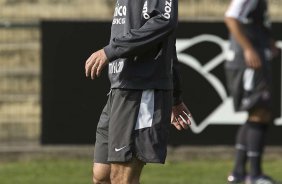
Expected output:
{"points": [[134, 123], [249, 88]]}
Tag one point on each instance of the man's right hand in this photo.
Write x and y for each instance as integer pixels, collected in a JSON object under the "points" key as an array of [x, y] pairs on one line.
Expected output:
{"points": [[95, 64], [252, 58]]}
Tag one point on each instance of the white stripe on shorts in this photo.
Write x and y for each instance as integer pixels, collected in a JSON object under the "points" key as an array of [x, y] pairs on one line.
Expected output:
{"points": [[146, 111], [248, 79]]}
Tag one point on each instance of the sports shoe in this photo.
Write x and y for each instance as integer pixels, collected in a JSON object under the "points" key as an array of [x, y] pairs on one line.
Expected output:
{"points": [[260, 180], [235, 179]]}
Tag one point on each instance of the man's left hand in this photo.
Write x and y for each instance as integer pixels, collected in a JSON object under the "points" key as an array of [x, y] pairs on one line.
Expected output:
{"points": [[181, 116]]}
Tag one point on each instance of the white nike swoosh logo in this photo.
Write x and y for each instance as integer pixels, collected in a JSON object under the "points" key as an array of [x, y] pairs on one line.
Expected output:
{"points": [[119, 149]]}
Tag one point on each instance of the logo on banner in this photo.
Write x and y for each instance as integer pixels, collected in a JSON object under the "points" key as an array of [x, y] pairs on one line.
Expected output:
{"points": [[224, 112]]}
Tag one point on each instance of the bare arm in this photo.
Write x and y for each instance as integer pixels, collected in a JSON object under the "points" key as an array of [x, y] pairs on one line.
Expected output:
{"points": [[252, 58]]}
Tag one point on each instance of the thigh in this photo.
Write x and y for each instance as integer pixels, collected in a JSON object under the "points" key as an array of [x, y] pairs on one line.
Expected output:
{"points": [[101, 173], [234, 79], [249, 88], [151, 139], [138, 125], [257, 94], [124, 112], [101, 144]]}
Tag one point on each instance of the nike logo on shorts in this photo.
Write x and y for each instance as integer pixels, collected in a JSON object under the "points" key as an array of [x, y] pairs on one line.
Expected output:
{"points": [[119, 149]]}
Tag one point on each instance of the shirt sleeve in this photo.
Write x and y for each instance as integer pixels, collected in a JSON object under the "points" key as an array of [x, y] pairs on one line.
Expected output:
{"points": [[162, 20], [177, 92], [239, 9]]}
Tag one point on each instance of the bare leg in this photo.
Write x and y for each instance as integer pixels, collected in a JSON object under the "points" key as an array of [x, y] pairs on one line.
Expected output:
{"points": [[101, 173], [258, 120], [126, 173]]}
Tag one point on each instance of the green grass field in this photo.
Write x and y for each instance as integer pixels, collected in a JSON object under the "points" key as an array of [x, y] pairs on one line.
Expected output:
{"points": [[78, 171]]}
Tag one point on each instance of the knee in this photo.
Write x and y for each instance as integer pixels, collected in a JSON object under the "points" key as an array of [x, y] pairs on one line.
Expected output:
{"points": [[100, 179], [101, 176], [127, 172], [260, 115], [96, 180], [116, 175]]}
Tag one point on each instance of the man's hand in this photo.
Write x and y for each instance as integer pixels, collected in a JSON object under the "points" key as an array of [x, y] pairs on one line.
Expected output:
{"points": [[275, 51], [180, 116], [95, 64], [252, 58]]}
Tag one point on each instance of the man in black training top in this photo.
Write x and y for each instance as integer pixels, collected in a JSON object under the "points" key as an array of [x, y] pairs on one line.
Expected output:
{"points": [[145, 90], [249, 80]]}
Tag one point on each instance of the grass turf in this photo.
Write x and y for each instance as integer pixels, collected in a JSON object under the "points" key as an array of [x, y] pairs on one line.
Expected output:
{"points": [[78, 171]]}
